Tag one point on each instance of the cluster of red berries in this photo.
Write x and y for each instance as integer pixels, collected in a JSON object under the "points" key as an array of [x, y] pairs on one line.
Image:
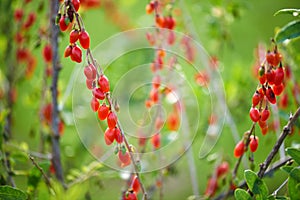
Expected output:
{"points": [[134, 187], [241, 147], [271, 77], [212, 184], [23, 53], [65, 21]]}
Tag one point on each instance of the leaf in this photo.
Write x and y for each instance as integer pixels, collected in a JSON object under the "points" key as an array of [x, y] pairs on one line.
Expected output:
{"points": [[294, 153], [295, 174], [294, 189], [10, 193], [289, 31], [256, 185], [292, 11], [241, 194], [287, 169]]}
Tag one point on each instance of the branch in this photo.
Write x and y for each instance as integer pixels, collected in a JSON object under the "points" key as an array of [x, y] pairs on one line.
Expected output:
{"points": [[286, 130], [56, 68]]}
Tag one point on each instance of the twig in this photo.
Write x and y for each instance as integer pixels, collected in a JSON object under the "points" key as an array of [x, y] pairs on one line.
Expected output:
{"points": [[56, 68], [47, 180], [279, 188], [286, 130]]}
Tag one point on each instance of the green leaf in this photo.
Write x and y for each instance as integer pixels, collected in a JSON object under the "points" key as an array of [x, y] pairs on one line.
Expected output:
{"points": [[35, 176], [256, 185], [294, 189], [295, 174], [10, 193], [289, 31], [287, 169], [241, 194], [291, 11], [294, 153]]}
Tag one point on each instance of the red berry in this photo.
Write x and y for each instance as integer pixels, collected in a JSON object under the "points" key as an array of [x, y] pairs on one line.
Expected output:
{"points": [[103, 111], [222, 169], [103, 83], [130, 195], [264, 130], [76, 54], [270, 95], [262, 79], [68, 51], [84, 39], [150, 7], [76, 4], [173, 122], [62, 23], [155, 140], [124, 158], [271, 58], [277, 58], [156, 81], [90, 72], [212, 186], [95, 104], [118, 135], [18, 15], [97, 92], [279, 76], [265, 115], [239, 149], [109, 136], [256, 98], [74, 35], [284, 100], [270, 75], [262, 124], [154, 95], [89, 84], [112, 120], [278, 89], [135, 184], [30, 20], [254, 114], [253, 143], [47, 53]]}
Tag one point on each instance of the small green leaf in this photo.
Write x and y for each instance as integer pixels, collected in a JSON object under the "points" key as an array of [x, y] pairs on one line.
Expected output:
{"points": [[289, 31], [241, 194], [295, 174], [293, 187], [256, 185], [10, 193], [294, 153], [250, 177], [287, 169], [291, 11]]}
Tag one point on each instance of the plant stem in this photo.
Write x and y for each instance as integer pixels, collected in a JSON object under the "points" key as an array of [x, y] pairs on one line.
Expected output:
{"points": [[286, 130], [56, 68]]}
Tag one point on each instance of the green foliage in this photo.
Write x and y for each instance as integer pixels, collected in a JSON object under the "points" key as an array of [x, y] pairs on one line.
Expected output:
{"points": [[289, 31], [292, 11], [10, 193], [294, 153], [35, 175], [241, 194], [256, 185]]}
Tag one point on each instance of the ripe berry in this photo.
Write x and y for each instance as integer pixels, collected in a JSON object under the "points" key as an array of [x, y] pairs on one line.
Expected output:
{"points": [[112, 120], [278, 89], [30, 20], [277, 58], [279, 76], [76, 54], [18, 15], [76, 4], [89, 84], [173, 122], [109, 136], [156, 81], [130, 195], [262, 79], [264, 130], [212, 186], [118, 135], [270, 75], [239, 149], [256, 98], [270, 95], [254, 114], [262, 124], [68, 51], [95, 104], [47, 53], [135, 184], [74, 35], [90, 72], [284, 101], [154, 95], [97, 92], [124, 158], [155, 140], [271, 58], [150, 7], [265, 114], [103, 111], [103, 83], [84, 39], [222, 169], [253, 143], [62, 23]]}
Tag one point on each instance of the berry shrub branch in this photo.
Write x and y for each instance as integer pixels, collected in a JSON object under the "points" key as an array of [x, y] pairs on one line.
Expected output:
{"points": [[286, 130], [56, 157]]}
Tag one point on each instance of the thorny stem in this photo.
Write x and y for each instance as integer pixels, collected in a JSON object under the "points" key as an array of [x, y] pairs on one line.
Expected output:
{"points": [[286, 130], [55, 117]]}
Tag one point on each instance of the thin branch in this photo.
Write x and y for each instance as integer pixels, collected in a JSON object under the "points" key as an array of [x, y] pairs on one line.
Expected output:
{"points": [[286, 130], [56, 68], [47, 180]]}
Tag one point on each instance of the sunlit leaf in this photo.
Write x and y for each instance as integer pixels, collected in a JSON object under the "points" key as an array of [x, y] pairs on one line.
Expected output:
{"points": [[10, 193], [241, 194], [292, 11], [294, 153], [289, 31]]}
